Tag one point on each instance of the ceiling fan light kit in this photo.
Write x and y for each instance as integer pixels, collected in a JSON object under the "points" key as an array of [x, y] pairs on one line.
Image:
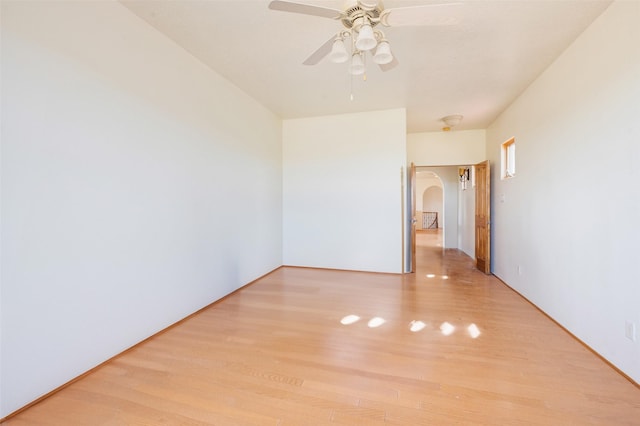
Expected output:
{"points": [[340, 54], [359, 18]]}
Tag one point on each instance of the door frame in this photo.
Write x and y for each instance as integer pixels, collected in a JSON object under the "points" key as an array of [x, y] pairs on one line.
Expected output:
{"points": [[412, 189]]}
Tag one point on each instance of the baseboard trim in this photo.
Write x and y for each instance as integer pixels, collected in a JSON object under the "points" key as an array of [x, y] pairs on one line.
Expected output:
{"points": [[318, 268]]}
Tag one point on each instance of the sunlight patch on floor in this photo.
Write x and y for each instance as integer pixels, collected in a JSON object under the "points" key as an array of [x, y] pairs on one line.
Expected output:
{"points": [[416, 326], [349, 319], [474, 331], [447, 329], [376, 322]]}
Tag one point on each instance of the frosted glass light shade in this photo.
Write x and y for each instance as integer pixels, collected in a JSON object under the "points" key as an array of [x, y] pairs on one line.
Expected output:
{"points": [[357, 65], [366, 40], [383, 53], [339, 52], [452, 120]]}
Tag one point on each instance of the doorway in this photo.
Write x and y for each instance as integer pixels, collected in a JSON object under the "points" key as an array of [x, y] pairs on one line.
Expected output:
{"points": [[430, 206], [431, 181], [462, 208]]}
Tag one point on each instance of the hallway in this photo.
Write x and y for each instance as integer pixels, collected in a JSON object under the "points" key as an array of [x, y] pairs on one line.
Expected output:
{"points": [[447, 345]]}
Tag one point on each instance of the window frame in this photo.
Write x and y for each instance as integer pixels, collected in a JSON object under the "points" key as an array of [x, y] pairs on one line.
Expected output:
{"points": [[508, 158]]}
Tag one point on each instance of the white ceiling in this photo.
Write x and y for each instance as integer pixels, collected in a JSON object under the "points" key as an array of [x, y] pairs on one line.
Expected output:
{"points": [[475, 68]]}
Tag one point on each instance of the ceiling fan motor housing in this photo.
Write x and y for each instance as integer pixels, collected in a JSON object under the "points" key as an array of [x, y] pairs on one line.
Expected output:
{"points": [[356, 11]]}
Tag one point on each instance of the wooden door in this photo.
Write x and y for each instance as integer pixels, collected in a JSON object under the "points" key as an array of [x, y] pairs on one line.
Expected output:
{"points": [[412, 188], [483, 217]]}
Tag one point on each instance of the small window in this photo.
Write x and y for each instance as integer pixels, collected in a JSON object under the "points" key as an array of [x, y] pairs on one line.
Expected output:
{"points": [[509, 158]]}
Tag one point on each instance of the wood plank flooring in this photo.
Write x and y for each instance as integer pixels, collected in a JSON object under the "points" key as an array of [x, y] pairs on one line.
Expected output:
{"points": [[278, 353]]}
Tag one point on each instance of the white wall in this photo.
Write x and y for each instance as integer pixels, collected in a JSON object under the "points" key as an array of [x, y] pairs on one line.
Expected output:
{"points": [[422, 183], [432, 201], [577, 131], [129, 174], [342, 189], [446, 148]]}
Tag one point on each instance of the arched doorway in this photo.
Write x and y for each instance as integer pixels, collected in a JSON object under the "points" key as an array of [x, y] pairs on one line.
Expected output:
{"points": [[432, 207], [430, 217], [429, 198]]}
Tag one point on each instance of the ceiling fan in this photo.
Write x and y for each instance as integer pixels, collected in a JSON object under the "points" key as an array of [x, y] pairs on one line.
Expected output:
{"points": [[360, 19]]}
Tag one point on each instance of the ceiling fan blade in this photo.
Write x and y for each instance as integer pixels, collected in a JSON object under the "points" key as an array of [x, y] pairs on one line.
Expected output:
{"points": [[432, 14], [305, 9], [320, 53], [391, 65]]}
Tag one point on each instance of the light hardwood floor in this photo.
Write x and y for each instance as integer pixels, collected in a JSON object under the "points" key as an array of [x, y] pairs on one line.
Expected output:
{"points": [[276, 353]]}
